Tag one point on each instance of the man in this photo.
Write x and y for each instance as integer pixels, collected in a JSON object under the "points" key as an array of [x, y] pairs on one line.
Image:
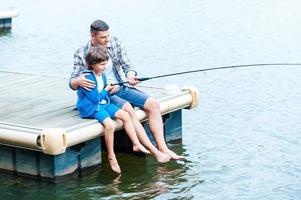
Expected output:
{"points": [[119, 68]]}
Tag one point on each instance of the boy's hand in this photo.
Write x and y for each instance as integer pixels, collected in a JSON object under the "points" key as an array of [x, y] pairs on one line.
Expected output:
{"points": [[115, 89], [109, 87], [85, 83]]}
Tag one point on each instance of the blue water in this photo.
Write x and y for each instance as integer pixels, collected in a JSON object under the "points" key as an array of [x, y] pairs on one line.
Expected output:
{"points": [[242, 142]]}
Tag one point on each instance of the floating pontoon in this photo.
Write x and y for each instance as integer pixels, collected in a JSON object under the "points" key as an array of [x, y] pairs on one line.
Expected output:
{"points": [[6, 19], [42, 135]]}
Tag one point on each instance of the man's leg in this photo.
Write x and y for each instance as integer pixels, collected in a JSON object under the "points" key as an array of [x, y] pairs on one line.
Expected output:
{"points": [[142, 136], [152, 107]]}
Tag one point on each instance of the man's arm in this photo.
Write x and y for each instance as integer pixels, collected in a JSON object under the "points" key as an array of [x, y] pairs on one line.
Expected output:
{"points": [[124, 60], [126, 64], [73, 84], [77, 77], [81, 81]]}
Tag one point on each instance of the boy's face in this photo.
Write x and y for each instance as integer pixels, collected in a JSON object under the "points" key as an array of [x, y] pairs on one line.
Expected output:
{"points": [[100, 67], [101, 38]]}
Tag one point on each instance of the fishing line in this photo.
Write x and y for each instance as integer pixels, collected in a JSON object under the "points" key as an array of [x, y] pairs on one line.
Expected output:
{"points": [[172, 74], [212, 69]]}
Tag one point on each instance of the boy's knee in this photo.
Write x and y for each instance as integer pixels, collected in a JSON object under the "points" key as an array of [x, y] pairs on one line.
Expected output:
{"points": [[125, 116], [109, 124], [128, 108]]}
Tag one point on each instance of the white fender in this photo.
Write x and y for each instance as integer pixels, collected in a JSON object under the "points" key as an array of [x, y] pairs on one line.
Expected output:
{"points": [[53, 141], [195, 94]]}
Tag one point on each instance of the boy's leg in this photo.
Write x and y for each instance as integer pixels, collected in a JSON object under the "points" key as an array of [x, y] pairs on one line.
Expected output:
{"points": [[109, 128], [130, 130]]}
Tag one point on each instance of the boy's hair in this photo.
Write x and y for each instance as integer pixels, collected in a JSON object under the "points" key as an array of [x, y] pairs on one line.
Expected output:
{"points": [[96, 54], [98, 25]]}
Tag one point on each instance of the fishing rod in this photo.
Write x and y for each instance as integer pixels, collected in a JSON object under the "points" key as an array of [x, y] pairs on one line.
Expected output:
{"points": [[210, 69]]}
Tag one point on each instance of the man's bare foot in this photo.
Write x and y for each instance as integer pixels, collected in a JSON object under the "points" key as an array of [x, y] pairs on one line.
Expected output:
{"points": [[114, 165], [161, 157], [141, 148], [173, 155]]}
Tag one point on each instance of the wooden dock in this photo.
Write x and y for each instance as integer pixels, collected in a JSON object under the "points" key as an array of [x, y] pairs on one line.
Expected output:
{"points": [[42, 135]]}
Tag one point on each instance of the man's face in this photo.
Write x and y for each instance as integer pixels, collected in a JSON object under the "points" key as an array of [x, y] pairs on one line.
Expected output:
{"points": [[101, 38]]}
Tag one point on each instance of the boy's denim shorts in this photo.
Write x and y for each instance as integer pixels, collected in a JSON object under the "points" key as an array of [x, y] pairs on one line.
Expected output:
{"points": [[132, 95], [105, 111]]}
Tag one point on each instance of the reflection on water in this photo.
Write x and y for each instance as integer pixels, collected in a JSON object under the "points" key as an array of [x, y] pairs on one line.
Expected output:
{"points": [[242, 142], [142, 177], [5, 33]]}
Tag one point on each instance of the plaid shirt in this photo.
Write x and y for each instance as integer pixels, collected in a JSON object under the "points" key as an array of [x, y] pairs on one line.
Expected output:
{"points": [[120, 60]]}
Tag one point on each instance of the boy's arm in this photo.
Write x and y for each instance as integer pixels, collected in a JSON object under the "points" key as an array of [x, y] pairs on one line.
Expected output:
{"points": [[93, 95]]}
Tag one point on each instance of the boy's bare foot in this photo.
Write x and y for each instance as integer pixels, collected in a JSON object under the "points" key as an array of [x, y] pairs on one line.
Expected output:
{"points": [[161, 157], [173, 155], [114, 165], [141, 148]]}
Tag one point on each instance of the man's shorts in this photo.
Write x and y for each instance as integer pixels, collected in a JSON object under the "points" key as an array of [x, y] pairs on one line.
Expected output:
{"points": [[127, 94], [105, 111]]}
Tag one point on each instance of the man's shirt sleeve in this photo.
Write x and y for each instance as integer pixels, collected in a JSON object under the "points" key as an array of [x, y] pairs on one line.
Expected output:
{"points": [[123, 58], [78, 67]]}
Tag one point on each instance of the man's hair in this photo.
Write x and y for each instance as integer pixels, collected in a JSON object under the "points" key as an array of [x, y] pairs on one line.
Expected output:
{"points": [[96, 54], [98, 25]]}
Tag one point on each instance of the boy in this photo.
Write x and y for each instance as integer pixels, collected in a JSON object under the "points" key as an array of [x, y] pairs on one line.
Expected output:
{"points": [[95, 104]]}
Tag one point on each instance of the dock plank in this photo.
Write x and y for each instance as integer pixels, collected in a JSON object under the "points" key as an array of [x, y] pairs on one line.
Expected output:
{"points": [[41, 101]]}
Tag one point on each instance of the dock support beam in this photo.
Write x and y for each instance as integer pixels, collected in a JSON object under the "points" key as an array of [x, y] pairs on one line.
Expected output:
{"points": [[76, 161]]}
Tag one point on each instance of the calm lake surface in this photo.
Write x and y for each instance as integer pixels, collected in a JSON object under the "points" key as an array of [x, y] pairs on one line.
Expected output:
{"points": [[244, 139]]}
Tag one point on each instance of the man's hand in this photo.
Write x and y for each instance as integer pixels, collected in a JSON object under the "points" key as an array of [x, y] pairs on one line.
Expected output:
{"points": [[132, 78], [85, 83]]}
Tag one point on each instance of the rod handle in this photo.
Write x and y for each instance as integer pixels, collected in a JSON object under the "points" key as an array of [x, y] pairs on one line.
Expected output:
{"points": [[139, 79]]}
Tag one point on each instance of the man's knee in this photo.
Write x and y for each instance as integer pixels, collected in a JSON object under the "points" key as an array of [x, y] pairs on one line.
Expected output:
{"points": [[152, 105]]}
